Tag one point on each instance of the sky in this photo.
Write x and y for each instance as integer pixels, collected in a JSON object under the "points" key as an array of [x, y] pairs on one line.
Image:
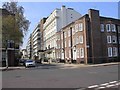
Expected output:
{"points": [[35, 11]]}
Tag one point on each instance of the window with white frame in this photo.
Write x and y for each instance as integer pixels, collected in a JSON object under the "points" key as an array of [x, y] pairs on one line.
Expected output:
{"points": [[108, 39], [114, 39], [115, 51], [65, 34], [113, 27], [77, 39], [109, 51], [81, 39], [108, 27], [81, 52], [73, 30], [76, 27], [102, 27], [80, 26], [118, 29], [68, 33]]}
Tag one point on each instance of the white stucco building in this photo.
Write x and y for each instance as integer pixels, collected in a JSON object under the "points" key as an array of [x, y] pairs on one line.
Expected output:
{"points": [[29, 47], [35, 42], [57, 19]]}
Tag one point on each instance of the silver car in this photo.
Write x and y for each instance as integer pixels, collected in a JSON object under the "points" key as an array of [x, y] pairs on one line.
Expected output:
{"points": [[29, 63]]}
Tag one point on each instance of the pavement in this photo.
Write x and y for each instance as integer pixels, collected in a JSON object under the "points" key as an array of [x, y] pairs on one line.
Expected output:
{"points": [[86, 65], [61, 66], [51, 76], [112, 85], [11, 68]]}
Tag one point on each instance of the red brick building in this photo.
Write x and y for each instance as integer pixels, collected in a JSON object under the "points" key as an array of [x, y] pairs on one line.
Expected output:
{"points": [[90, 39]]}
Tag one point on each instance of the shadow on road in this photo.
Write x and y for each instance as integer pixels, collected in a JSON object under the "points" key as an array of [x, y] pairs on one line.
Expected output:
{"points": [[48, 66], [38, 66]]}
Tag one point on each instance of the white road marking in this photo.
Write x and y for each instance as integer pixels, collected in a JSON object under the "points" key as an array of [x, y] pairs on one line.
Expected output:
{"points": [[108, 86], [104, 84], [113, 82], [100, 88], [93, 86], [117, 84]]}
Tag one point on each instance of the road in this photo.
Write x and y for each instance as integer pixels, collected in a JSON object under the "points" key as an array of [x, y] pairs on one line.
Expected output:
{"points": [[84, 77]]}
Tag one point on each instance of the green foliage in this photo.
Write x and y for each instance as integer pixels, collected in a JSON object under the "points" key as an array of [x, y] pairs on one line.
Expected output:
{"points": [[14, 26], [10, 29]]}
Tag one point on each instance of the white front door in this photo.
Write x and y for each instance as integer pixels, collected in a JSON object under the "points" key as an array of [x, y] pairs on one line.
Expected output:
{"points": [[74, 54], [62, 55]]}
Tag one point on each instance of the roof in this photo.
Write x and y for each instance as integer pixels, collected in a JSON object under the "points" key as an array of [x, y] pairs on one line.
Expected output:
{"points": [[109, 18]]}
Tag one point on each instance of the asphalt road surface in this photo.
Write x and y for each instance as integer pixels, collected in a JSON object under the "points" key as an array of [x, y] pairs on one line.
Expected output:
{"points": [[80, 78]]}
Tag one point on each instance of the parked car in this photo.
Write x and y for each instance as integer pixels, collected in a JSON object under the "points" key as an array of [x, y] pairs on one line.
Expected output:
{"points": [[29, 63], [21, 62]]}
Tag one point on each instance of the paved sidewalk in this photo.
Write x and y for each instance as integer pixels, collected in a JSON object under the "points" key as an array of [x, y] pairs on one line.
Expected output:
{"points": [[11, 68], [65, 66], [105, 64]]}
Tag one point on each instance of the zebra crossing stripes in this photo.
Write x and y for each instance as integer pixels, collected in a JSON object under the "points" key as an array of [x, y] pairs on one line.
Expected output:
{"points": [[94, 86], [102, 86], [105, 85], [112, 82]]}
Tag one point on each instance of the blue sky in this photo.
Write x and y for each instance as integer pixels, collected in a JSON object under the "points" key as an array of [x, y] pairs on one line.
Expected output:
{"points": [[34, 11]]}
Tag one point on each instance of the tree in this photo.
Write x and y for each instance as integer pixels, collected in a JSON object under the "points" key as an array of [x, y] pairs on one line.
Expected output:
{"points": [[15, 25], [10, 31]]}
